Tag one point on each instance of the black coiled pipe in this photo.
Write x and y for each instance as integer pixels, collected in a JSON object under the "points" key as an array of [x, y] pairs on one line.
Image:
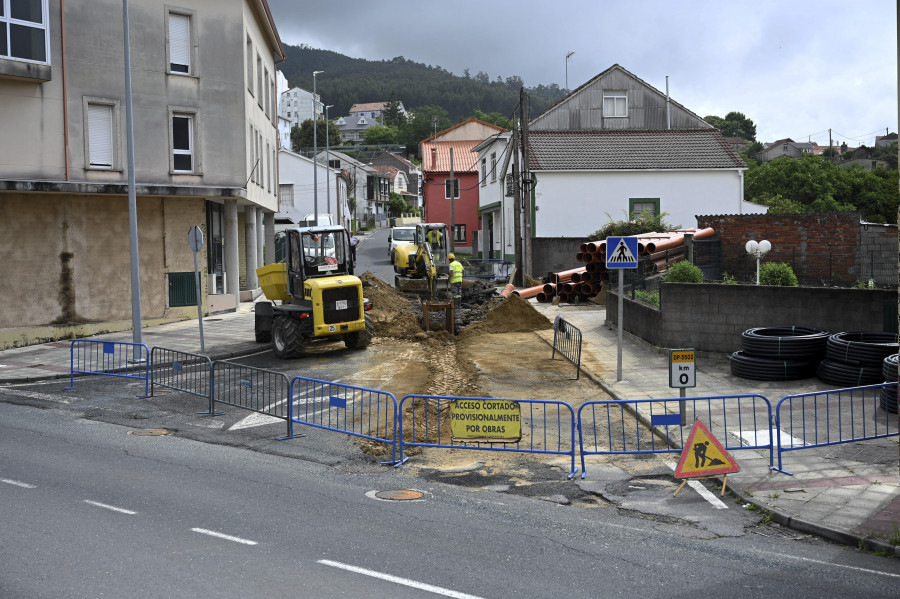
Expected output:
{"points": [[770, 369], [801, 343], [889, 394], [864, 349], [849, 375]]}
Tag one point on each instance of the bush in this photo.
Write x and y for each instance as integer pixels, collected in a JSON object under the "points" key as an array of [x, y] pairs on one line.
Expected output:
{"points": [[684, 272], [647, 297], [777, 273]]}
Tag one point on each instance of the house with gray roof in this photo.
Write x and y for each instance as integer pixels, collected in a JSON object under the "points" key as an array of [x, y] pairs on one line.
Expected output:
{"points": [[613, 148]]}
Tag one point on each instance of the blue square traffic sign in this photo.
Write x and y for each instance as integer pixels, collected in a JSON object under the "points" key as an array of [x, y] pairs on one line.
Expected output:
{"points": [[621, 252]]}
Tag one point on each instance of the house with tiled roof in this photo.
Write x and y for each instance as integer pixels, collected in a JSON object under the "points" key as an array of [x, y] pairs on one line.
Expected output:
{"points": [[613, 148], [413, 193], [451, 150], [784, 148]]}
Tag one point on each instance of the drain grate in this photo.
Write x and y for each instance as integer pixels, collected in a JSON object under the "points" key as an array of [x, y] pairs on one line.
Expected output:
{"points": [[400, 495], [151, 432]]}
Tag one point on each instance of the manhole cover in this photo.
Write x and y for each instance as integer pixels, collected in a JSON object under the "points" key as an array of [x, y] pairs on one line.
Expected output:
{"points": [[152, 432], [399, 495]]}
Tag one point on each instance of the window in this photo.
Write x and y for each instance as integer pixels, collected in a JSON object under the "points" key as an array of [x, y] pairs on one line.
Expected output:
{"points": [[183, 143], [266, 85], [483, 172], [259, 85], [268, 170], [451, 184], [493, 166], [249, 65], [615, 106], [459, 233], [638, 206], [100, 127], [23, 30], [285, 196], [180, 46]]}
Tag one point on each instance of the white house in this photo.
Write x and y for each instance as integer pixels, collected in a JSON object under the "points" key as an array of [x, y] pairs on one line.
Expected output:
{"points": [[295, 191], [494, 205], [298, 105]]}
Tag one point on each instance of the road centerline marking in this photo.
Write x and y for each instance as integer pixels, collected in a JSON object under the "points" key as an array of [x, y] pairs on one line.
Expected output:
{"points": [[220, 535], [396, 579], [111, 508], [16, 483]]}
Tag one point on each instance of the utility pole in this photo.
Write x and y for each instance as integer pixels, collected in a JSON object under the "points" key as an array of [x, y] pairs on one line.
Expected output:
{"points": [[451, 245], [526, 185], [517, 206]]}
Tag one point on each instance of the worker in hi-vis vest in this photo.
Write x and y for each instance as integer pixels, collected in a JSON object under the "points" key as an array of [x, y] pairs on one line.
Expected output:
{"points": [[456, 276]]}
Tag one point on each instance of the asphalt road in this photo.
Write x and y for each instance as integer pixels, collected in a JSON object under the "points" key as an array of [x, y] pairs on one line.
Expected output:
{"points": [[91, 511], [373, 256]]}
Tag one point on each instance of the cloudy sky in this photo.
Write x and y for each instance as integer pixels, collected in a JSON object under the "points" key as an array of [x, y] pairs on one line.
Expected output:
{"points": [[795, 68]]}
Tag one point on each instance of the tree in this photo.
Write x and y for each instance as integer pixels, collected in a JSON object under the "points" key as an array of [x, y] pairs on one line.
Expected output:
{"points": [[381, 135], [735, 124], [302, 136], [643, 223], [392, 115], [426, 120], [494, 118], [398, 204]]}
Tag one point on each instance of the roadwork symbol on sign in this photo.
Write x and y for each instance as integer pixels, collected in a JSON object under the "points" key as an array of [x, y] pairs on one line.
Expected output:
{"points": [[703, 455], [621, 252]]}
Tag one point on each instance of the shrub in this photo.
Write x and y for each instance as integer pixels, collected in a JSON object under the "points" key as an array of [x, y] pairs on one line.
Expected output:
{"points": [[647, 297], [684, 272], [777, 273]]}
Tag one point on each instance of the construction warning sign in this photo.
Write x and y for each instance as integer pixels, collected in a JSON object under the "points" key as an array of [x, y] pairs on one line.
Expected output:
{"points": [[495, 420], [703, 455]]}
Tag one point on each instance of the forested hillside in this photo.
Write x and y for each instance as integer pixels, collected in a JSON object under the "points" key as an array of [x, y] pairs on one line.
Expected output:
{"points": [[347, 81]]}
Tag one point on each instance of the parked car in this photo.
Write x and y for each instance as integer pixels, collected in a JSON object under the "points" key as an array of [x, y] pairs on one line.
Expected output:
{"points": [[399, 236]]}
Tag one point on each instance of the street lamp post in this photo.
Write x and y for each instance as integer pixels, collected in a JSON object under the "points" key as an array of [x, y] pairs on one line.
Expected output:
{"points": [[315, 101], [568, 56], [327, 166], [758, 250]]}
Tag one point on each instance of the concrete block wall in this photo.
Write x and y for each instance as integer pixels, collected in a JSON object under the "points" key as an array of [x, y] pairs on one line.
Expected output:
{"points": [[553, 254], [711, 317]]}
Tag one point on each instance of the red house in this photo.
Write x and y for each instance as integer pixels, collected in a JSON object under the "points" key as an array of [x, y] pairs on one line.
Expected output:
{"points": [[435, 152]]}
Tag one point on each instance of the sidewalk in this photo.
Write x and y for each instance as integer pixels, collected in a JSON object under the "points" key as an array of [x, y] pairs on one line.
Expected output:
{"points": [[845, 492]]}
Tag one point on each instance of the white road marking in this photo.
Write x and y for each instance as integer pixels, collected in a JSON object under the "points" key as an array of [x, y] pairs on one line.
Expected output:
{"points": [[260, 419], [16, 483], [220, 535], [396, 579], [761, 437], [824, 563], [111, 508], [703, 491], [34, 395]]}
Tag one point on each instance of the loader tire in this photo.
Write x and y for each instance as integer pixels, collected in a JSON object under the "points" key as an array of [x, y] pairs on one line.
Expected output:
{"points": [[360, 339], [287, 340]]}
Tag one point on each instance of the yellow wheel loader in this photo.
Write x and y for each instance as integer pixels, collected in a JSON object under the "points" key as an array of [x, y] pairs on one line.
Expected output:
{"points": [[318, 294]]}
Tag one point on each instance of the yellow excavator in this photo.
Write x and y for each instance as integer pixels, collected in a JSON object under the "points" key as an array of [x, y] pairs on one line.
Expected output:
{"points": [[421, 265]]}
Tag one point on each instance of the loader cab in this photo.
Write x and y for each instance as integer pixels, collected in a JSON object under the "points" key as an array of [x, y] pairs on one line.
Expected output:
{"points": [[315, 252]]}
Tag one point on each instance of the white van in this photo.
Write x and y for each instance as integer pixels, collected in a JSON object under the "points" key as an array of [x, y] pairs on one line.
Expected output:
{"points": [[399, 236]]}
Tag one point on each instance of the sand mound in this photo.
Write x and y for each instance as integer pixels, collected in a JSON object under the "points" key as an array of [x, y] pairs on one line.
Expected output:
{"points": [[510, 315], [392, 313]]}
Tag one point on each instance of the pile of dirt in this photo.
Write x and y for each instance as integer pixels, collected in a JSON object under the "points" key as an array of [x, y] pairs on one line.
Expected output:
{"points": [[510, 315], [392, 312]]}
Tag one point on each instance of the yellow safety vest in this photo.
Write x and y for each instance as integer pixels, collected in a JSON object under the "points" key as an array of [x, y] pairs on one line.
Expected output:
{"points": [[456, 272], [434, 236]]}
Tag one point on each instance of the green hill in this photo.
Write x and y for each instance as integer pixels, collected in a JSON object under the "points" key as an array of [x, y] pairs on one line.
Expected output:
{"points": [[348, 81]]}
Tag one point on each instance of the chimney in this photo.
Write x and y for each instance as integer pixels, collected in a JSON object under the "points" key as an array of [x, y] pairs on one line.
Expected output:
{"points": [[433, 158]]}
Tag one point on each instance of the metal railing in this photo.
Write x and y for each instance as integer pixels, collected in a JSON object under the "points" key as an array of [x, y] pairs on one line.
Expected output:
{"points": [[109, 358], [567, 341], [832, 417], [547, 426], [182, 371], [357, 411], [486, 268], [256, 389], [655, 425]]}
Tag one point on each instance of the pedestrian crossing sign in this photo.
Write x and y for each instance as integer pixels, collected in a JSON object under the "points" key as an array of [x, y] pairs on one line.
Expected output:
{"points": [[621, 252], [703, 455]]}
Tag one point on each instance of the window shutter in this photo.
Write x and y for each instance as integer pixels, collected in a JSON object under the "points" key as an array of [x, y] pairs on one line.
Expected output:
{"points": [[180, 43], [100, 145]]}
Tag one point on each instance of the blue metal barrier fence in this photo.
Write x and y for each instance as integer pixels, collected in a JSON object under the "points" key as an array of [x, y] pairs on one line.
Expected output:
{"points": [[356, 411], [109, 358], [567, 341], [182, 371], [547, 426], [616, 426], [255, 389], [832, 417]]}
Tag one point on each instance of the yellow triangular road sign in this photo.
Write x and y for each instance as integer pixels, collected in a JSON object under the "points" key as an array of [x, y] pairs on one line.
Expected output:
{"points": [[703, 455]]}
